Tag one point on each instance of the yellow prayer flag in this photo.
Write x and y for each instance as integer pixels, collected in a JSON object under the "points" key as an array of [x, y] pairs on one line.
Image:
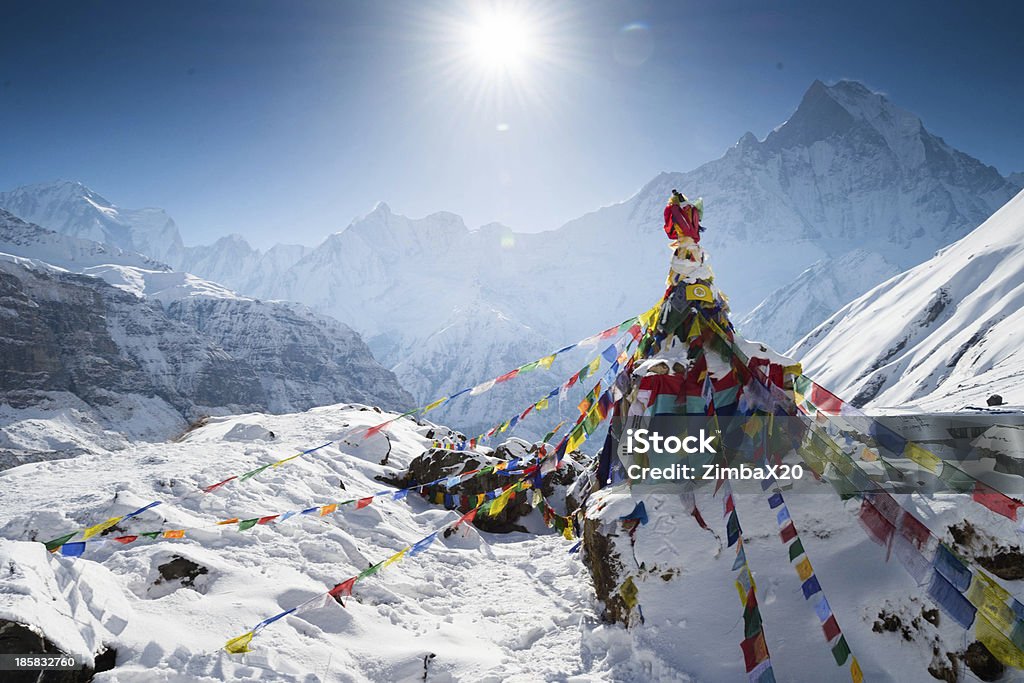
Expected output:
{"points": [[101, 527], [694, 330], [576, 439], [546, 362], [542, 404], [567, 533], [499, 503], [794, 369], [648, 319], [435, 404], [237, 646], [990, 598], [396, 557], [284, 460], [699, 292], [328, 509], [803, 569], [997, 643], [594, 366], [174, 533], [742, 593], [855, 673], [922, 457]]}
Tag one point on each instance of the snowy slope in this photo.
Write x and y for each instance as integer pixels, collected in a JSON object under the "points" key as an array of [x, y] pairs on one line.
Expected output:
{"points": [[73, 253], [513, 607], [943, 335], [793, 310]]}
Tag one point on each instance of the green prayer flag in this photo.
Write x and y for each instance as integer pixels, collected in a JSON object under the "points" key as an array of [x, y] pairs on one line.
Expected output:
{"points": [[58, 542], [369, 571], [841, 651], [751, 622], [796, 550], [151, 534], [253, 473], [247, 523]]}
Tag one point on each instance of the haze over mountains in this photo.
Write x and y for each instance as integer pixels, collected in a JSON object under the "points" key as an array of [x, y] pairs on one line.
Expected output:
{"points": [[851, 187]]}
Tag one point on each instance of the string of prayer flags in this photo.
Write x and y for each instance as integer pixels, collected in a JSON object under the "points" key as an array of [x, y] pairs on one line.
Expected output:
{"points": [[241, 644], [811, 588], [756, 658]]}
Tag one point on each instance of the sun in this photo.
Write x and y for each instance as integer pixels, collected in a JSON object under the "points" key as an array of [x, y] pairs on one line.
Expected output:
{"points": [[500, 40]]}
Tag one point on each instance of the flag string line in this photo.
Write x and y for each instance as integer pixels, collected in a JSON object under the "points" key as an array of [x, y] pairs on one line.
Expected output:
{"points": [[90, 531]]}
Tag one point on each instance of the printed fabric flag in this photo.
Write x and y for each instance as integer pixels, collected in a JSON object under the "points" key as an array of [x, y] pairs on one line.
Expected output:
{"points": [[922, 457], [996, 501], [755, 651], [950, 566], [951, 600]]}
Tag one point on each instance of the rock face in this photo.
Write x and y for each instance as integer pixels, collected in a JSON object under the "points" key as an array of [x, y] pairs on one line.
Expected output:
{"points": [[149, 350], [437, 463]]}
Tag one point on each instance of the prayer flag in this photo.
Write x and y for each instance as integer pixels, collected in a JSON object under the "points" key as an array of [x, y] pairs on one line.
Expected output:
{"points": [[267, 520], [240, 644], [396, 557], [754, 650], [435, 404], [995, 501], [546, 362], [247, 523], [810, 587], [796, 550], [922, 457], [831, 628], [101, 527], [841, 651], [952, 568], [174, 533], [56, 543], [822, 609], [72, 549], [699, 292], [775, 500], [421, 545], [788, 533], [328, 509], [951, 600], [803, 569]]}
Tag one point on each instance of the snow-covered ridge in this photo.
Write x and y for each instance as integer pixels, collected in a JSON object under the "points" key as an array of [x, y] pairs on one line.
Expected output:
{"points": [[943, 335]]}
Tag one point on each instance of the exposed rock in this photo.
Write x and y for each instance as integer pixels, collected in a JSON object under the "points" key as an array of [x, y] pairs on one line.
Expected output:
{"points": [[19, 639], [181, 569], [982, 662]]}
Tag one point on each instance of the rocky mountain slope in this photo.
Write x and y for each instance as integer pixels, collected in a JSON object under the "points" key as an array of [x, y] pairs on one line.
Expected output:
{"points": [[943, 335], [140, 353]]}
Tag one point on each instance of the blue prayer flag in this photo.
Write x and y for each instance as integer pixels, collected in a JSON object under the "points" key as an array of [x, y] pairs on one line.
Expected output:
{"points": [[823, 610], [810, 587], [947, 564], [72, 549], [782, 516], [421, 545], [775, 500]]}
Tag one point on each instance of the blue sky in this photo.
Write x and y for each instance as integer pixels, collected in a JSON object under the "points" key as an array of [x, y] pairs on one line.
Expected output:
{"points": [[284, 120]]}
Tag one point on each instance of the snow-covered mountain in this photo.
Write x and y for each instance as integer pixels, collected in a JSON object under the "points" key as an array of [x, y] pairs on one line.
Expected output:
{"points": [[137, 352], [819, 291], [74, 209], [943, 335], [849, 178]]}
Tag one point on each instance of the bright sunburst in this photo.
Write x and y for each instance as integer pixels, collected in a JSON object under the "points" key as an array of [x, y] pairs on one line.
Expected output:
{"points": [[500, 40]]}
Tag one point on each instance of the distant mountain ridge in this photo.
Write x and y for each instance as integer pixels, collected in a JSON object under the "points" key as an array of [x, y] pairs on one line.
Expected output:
{"points": [[848, 171], [144, 350]]}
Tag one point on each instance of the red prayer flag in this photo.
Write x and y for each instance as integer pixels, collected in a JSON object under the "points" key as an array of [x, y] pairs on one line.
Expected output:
{"points": [[363, 502], [376, 429], [831, 628], [824, 400], [268, 518], [343, 589], [878, 527], [507, 376], [468, 517], [211, 487], [755, 650], [995, 501], [913, 530], [729, 504], [125, 539], [788, 533], [572, 380]]}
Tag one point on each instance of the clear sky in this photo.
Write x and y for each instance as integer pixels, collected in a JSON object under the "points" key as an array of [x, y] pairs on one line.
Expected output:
{"points": [[284, 120]]}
